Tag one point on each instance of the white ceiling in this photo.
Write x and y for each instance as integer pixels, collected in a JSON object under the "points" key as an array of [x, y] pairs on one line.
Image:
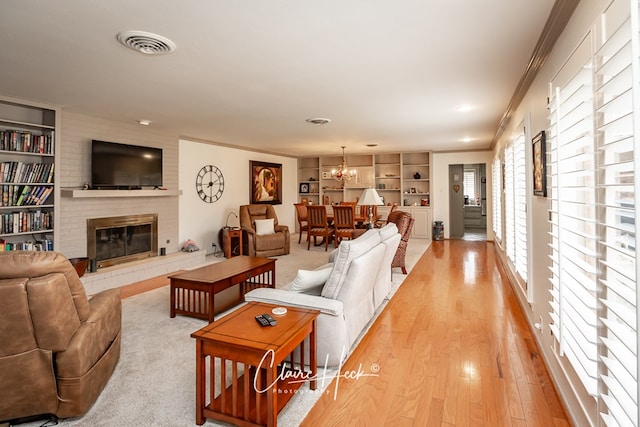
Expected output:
{"points": [[249, 72]]}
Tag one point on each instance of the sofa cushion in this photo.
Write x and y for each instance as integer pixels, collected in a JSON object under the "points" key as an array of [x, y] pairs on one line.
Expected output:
{"points": [[264, 227], [270, 242], [34, 264], [53, 313], [347, 252], [16, 327], [307, 280], [388, 231]]}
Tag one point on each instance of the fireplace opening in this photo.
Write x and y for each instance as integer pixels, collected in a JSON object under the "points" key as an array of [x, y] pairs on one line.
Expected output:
{"points": [[116, 240]]}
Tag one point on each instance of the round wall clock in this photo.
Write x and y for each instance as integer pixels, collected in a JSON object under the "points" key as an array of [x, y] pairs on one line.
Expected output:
{"points": [[210, 184]]}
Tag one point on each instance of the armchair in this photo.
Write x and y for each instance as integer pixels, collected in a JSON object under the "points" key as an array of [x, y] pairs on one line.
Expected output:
{"points": [[272, 241], [58, 348]]}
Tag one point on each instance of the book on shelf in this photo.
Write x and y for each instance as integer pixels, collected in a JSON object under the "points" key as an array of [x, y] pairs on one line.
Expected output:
{"points": [[24, 195], [25, 222], [26, 142], [25, 192], [39, 245], [26, 172]]}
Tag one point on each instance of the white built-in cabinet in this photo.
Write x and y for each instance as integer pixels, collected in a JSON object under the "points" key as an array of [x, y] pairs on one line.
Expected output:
{"points": [[399, 178]]}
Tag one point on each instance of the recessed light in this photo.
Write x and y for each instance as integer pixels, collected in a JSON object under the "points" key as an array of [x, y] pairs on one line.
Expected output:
{"points": [[463, 108], [466, 139], [144, 122], [318, 121]]}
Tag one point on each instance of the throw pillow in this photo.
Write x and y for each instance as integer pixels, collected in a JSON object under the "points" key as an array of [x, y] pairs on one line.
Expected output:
{"points": [[264, 227], [347, 252], [308, 279]]}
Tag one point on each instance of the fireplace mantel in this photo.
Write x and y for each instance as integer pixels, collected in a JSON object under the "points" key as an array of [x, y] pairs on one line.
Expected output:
{"points": [[84, 194]]}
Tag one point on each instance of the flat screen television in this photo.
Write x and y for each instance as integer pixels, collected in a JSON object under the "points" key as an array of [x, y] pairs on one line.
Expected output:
{"points": [[123, 166]]}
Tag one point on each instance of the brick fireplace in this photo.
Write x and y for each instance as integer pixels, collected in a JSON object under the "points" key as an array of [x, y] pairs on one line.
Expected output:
{"points": [[120, 239]]}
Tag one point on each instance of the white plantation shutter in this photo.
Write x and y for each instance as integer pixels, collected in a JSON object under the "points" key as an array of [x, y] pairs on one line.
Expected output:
{"points": [[497, 198], [509, 208], [573, 231], [520, 205], [617, 97], [594, 148]]}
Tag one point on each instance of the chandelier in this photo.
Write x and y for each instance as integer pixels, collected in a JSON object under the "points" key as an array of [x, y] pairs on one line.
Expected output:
{"points": [[343, 174]]}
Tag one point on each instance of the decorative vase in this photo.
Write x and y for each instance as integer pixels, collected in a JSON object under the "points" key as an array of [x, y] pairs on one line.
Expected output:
{"points": [[416, 175]]}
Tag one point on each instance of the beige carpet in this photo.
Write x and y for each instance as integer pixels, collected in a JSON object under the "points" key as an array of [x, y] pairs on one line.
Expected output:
{"points": [[154, 382]]}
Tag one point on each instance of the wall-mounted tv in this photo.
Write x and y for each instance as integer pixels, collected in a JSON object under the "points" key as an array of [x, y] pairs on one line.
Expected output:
{"points": [[124, 166]]}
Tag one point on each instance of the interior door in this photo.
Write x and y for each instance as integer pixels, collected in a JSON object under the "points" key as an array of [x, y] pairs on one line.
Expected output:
{"points": [[456, 202]]}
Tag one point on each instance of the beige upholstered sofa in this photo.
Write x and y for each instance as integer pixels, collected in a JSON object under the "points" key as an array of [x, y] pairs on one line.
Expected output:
{"points": [[58, 348], [348, 291]]}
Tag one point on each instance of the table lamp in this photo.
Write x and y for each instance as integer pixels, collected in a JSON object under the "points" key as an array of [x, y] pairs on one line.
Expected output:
{"points": [[370, 197]]}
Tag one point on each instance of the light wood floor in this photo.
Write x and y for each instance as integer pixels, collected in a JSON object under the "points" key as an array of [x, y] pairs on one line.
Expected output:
{"points": [[452, 348]]}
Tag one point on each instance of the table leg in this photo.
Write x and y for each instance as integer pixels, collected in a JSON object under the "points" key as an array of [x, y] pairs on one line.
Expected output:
{"points": [[272, 396], [313, 363], [172, 301], [200, 383], [211, 304]]}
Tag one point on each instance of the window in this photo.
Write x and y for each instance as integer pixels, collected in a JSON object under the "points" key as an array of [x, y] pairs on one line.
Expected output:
{"points": [[497, 198], [594, 108], [515, 206], [616, 101], [509, 213], [469, 184], [520, 196], [573, 234]]}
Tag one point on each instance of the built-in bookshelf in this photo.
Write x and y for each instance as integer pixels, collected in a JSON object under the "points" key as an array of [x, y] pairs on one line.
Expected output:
{"points": [[27, 176], [309, 179], [399, 178]]}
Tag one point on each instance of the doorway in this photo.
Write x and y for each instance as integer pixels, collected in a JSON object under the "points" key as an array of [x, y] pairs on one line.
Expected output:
{"points": [[468, 202]]}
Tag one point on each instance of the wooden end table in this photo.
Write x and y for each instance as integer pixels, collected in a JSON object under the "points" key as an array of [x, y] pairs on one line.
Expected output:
{"points": [[273, 369], [193, 292], [231, 239]]}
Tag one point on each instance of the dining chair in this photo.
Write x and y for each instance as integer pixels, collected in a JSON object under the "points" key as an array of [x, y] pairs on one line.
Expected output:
{"points": [[318, 225], [301, 216], [343, 222]]}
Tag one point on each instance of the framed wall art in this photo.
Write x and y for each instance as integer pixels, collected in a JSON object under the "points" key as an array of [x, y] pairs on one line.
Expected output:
{"points": [[265, 181], [539, 164]]}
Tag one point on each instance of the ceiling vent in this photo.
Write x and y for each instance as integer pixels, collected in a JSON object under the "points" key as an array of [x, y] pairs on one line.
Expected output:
{"points": [[318, 121], [147, 43]]}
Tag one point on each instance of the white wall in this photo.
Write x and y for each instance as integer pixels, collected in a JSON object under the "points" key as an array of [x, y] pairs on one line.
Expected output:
{"points": [[580, 405], [440, 176], [202, 221]]}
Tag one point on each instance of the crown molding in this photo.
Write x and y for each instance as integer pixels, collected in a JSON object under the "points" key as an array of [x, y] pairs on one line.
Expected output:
{"points": [[555, 25]]}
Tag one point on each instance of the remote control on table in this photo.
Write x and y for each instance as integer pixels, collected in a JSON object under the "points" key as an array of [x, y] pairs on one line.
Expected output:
{"points": [[270, 319], [261, 320]]}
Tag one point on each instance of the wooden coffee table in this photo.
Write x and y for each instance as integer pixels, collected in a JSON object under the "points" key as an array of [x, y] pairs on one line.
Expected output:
{"points": [[193, 292], [238, 343]]}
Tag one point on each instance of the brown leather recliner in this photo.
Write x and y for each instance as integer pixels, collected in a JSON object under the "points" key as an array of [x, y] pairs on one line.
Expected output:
{"points": [[58, 348], [264, 245]]}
